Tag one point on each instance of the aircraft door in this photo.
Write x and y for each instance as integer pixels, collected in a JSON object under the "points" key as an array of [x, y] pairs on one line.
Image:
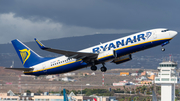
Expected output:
{"points": [[44, 67], [154, 35]]}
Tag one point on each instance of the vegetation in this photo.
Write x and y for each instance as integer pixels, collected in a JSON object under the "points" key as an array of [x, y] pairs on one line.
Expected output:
{"points": [[28, 91], [98, 92], [139, 91], [140, 71]]}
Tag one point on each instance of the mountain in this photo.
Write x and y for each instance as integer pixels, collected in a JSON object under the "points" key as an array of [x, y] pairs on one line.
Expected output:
{"points": [[144, 59]]}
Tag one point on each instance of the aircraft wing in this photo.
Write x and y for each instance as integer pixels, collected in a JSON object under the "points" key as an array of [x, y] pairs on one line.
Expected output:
{"points": [[70, 54], [20, 69]]}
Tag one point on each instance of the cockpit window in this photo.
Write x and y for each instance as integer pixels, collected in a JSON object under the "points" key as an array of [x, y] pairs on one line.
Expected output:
{"points": [[165, 30]]}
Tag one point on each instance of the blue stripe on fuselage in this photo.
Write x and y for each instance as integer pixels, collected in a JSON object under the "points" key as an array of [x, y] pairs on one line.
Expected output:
{"points": [[134, 48], [58, 70]]}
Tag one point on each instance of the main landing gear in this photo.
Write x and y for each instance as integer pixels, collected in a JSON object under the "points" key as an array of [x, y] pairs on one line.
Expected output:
{"points": [[103, 68], [93, 68]]}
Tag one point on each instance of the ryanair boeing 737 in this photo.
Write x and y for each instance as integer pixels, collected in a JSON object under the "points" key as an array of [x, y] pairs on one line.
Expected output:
{"points": [[116, 51]]}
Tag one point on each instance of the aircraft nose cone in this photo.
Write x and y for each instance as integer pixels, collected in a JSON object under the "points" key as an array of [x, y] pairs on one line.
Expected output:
{"points": [[173, 33]]}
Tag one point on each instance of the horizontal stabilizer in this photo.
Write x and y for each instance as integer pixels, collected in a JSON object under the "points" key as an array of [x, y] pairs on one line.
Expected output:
{"points": [[21, 69]]}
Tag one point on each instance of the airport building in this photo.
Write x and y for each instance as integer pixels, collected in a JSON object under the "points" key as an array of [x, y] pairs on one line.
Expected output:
{"points": [[167, 78], [124, 73], [10, 96]]}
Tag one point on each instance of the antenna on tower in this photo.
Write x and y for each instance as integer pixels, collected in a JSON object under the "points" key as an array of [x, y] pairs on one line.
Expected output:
{"points": [[170, 58]]}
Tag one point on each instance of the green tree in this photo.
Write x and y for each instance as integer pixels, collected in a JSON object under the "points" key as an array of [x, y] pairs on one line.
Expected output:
{"points": [[137, 90], [99, 92], [140, 71], [67, 91], [126, 98], [129, 98], [143, 88], [28, 91], [122, 99], [137, 98], [74, 91], [144, 99], [39, 91], [177, 92], [147, 98], [134, 99]]}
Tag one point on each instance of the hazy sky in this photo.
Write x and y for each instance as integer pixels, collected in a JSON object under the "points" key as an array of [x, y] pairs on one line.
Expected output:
{"points": [[48, 19]]}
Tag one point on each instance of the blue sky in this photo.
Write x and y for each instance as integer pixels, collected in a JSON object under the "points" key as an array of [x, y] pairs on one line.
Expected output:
{"points": [[49, 19]]}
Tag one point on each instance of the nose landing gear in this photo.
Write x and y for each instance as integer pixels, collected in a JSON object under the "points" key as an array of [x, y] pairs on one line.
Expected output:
{"points": [[165, 43], [163, 49]]}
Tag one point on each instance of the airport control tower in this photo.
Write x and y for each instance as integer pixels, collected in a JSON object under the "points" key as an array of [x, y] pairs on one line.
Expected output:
{"points": [[167, 78]]}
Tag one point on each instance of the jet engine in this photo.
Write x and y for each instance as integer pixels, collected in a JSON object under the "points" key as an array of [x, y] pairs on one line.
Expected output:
{"points": [[122, 59]]}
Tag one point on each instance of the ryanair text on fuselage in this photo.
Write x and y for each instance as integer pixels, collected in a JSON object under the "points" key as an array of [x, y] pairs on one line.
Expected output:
{"points": [[122, 42]]}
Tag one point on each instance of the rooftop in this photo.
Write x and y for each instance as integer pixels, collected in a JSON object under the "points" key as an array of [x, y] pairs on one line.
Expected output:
{"points": [[168, 62]]}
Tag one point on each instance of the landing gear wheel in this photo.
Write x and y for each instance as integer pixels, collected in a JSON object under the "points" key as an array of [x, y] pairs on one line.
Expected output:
{"points": [[103, 69], [93, 68], [163, 49]]}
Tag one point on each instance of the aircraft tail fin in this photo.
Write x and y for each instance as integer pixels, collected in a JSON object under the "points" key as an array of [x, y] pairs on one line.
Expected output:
{"points": [[65, 95], [27, 56]]}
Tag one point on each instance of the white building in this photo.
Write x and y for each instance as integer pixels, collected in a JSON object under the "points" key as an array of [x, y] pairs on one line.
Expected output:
{"points": [[122, 83], [150, 73], [69, 74], [93, 74], [167, 78], [67, 79], [50, 76], [134, 74], [141, 78]]}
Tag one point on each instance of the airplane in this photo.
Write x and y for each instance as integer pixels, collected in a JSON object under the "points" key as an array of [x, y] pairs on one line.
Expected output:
{"points": [[117, 51]]}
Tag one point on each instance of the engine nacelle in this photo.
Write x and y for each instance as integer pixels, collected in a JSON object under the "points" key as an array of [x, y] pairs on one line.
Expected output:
{"points": [[115, 53], [105, 56], [122, 59]]}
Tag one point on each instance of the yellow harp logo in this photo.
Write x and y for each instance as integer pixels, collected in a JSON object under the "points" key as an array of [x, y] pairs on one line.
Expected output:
{"points": [[25, 54]]}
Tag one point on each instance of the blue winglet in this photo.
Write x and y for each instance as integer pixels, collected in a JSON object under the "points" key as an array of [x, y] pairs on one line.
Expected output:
{"points": [[40, 44], [65, 95]]}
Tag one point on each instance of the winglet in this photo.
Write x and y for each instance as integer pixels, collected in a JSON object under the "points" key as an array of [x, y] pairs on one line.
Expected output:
{"points": [[65, 95], [40, 44]]}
